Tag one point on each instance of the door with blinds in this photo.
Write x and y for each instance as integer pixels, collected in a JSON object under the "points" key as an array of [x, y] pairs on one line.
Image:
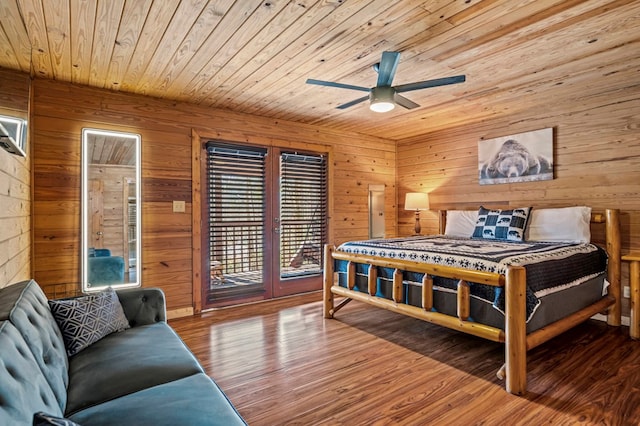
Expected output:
{"points": [[266, 216]]}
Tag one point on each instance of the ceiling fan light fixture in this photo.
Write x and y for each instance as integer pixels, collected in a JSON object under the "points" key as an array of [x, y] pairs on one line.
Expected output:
{"points": [[381, 106], [382, 99]]}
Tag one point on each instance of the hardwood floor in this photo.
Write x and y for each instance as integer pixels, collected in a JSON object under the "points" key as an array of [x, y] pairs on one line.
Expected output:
{"points": [[281, 363]]}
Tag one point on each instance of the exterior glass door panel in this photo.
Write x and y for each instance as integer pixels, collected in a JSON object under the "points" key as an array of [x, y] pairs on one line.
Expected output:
{"points": [[266, 221], [303, 223]]}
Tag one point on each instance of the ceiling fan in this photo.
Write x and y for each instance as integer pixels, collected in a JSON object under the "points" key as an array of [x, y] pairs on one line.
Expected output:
{"points": [[384, 96]]}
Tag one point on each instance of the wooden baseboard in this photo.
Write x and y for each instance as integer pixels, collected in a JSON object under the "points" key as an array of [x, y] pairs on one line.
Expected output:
{"points": [[179, 313], [625, 320]]}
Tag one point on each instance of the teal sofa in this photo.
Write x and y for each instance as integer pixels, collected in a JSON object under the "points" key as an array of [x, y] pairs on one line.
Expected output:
{"points": [[104, 269], [144, 375]]}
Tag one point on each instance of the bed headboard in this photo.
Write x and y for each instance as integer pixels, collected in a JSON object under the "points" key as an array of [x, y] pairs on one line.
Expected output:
{"points": [[608, 217]]}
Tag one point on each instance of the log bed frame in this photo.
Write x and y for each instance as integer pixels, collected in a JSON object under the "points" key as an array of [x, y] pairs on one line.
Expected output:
{"points": [[514, 336]]}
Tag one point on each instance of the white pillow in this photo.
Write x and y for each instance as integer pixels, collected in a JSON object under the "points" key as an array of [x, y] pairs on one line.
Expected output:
{"points": [[461, 223], [567, 225]]}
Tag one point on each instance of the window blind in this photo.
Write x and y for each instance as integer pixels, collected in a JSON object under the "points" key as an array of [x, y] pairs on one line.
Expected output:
{"points": [[236, 179], [303, 212]]}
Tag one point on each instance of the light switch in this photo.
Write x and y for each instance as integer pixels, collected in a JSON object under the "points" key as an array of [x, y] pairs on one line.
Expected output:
{"points": [[178, 206]]}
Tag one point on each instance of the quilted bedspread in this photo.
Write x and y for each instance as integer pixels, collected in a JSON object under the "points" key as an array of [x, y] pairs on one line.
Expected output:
{"points": [[550, 266]]}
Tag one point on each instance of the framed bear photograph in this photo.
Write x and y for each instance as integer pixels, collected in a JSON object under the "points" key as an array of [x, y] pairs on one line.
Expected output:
{"points": [[523, 157]]}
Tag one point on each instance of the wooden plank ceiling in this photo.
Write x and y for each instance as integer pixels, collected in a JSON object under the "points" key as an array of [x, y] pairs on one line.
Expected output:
{"points": [[111, 150], [254, 56]]}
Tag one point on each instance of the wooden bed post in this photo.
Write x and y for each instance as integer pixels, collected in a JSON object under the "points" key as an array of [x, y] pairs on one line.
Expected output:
{"points": [[327, 281], [516, 330], [442, 221], [396, 291], [612, 235], [372, 280]]}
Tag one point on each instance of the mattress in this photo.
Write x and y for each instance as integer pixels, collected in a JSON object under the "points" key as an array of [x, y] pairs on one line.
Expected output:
{"points": [[561, 278]]}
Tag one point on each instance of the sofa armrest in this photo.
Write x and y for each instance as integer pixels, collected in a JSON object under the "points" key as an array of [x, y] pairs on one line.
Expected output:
{"points": [[143, 306]]}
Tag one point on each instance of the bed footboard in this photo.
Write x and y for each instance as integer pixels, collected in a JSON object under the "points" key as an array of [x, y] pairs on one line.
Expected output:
{"points": [[514, 281]]}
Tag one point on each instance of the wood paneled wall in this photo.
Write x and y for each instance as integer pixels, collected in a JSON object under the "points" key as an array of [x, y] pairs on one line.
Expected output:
{"points": [[15, 187], [60, 112], [596, 153]]}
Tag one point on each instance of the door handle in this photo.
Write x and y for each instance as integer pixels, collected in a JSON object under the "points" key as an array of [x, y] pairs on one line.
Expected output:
{"points": [[99, 233]]}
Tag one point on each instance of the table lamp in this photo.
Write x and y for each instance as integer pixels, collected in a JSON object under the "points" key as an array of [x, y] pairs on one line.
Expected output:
{"points": [[417, 201]]}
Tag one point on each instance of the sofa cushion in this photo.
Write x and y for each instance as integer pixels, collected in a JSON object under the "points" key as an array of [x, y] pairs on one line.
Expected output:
{"points": [[105, 270], [193, 400], [25, 305], [127, 362], [143, 306], [87, 319], [23, 388], [43, 419]]}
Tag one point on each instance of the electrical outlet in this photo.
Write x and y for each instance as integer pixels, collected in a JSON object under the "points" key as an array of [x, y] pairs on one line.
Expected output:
{"points": [[626, 291], [178, 206]]}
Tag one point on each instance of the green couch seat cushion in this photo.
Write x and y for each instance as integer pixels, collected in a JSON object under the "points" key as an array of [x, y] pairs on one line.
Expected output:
{"points": [[193, 400], [126, 362]]}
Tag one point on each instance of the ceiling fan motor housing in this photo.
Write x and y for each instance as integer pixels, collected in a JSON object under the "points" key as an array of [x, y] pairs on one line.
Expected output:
{"points": [[382, 98]]}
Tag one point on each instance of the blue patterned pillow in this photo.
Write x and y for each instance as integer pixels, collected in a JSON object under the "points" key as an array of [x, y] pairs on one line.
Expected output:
{"points": [[87, 319], [508, 225]]}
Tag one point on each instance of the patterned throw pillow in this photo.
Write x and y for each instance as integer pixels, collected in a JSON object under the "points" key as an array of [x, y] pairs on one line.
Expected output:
{"points": [[508, 225], [87, 319]]}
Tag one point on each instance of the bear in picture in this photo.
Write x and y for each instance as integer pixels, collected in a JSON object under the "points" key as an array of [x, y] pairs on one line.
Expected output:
{"points": [[513, 161]]}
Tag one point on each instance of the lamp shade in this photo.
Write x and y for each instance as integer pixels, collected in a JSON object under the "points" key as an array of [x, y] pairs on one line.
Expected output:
{"points": [[416, 201]]}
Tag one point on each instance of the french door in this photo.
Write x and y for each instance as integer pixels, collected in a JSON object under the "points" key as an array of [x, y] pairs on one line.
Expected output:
{"points": [[266, 222]]}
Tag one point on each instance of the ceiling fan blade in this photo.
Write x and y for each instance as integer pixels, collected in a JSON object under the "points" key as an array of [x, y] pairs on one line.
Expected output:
{"points": [[334, 84], [404, 102], [352, 103], [387, 68], [430, 83]]}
